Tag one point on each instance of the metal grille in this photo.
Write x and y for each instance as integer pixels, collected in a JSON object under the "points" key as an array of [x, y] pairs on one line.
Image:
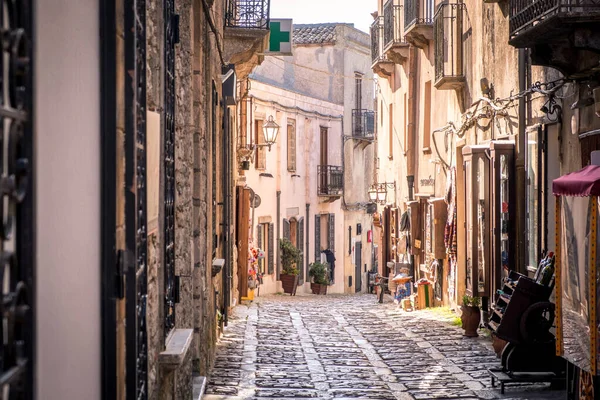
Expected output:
{"points": [[393, 23], [330, 179], [252, 14], [418, 12], [363, 124], [169, 165], [301, 248], [317, 238], [271, 255], [376, 32], [447, 31], [17, 231], [135, 200], [525, 14]]}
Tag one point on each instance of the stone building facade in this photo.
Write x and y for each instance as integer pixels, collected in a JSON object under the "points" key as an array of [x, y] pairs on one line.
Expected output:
{"points": [[125, 192], [323, 92], [464, 83]]}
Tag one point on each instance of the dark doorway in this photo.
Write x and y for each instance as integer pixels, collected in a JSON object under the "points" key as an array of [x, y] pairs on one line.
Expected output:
{"points": [[357, 266]]}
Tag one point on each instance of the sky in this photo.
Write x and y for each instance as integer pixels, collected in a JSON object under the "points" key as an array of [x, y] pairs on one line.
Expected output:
{"points": [[316, 11]]}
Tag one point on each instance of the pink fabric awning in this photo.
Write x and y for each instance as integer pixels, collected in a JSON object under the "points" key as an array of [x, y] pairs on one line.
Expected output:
{"points": [[585, 182]]}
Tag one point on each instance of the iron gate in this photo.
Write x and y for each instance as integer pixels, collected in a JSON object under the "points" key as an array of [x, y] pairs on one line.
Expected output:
{"points": [[171, 281], [17, 212], [135, 199]]}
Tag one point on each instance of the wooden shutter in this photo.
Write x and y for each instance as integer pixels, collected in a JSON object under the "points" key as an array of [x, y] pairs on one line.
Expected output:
{"points": [[300, 240], [261, 155], [286, 229], [331, 242], [271, 253], [317, 237], [291, 146], [259, 242]]}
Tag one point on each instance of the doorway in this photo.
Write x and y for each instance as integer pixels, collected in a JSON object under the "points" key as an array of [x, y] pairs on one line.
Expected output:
{"points": [[357, 266]]}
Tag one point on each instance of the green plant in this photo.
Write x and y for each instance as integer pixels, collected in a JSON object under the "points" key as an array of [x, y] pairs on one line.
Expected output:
{"points": [[319, 272], [469, 301], [290, 256]]}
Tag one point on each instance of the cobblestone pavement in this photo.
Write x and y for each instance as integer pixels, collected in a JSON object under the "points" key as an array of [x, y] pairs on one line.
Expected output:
{"points": [[351, 347]]}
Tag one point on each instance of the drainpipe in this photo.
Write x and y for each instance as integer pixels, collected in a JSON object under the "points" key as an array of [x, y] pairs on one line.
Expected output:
{"points": [[411, 158], [520, 167]]}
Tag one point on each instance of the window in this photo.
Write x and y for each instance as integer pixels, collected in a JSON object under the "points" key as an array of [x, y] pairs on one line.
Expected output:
{"points": [[261, 155], [427, 119], [264, 241], [391, 130], [358, 91], [291, 145]]}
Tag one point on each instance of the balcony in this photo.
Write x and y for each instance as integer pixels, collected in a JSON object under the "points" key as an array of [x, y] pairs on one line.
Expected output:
{"points": [[559, 32], [246, 34], [418, 22], [448, 51], [394, 46], [382, 66], [330, 181], [363, 126]]}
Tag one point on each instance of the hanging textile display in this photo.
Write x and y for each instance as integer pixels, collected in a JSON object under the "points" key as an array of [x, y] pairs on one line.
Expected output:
{"points": [[450, 233]]}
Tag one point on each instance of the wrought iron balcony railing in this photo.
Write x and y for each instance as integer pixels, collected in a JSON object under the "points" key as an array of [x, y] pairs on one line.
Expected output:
{"points": [[393, 24], [249, 14], [448, 51], [363, 124], [376, 44], [531, 21], [330, 180], [418, 12]]}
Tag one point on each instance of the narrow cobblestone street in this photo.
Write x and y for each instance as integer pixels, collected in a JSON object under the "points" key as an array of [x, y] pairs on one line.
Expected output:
{"points": [[352, 347]]}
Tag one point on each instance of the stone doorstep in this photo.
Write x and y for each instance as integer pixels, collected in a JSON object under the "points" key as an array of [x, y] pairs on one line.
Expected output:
{"points": [[178, 345], [199, 384]]}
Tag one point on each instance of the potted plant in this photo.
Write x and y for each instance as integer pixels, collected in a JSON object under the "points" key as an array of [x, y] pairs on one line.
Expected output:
{"points": [[319, 272], [290, 256], [471, 315]]}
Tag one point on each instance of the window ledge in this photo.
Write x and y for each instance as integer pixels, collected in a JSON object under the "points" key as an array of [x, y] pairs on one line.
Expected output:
{"points": [[177, 348], [427, 150], [199, 386]]}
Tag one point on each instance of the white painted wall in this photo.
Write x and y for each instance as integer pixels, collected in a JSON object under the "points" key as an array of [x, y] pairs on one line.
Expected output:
{"points": [[67, 169]]}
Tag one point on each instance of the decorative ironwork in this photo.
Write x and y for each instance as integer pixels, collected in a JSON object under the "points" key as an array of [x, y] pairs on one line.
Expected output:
{"points": [[135, 200], [330, 180], [447, 31], [527, 14], [169, 164], [418, 12], [393, 23], [376, 37], [17, 231], [363, 124], [250, 14]]}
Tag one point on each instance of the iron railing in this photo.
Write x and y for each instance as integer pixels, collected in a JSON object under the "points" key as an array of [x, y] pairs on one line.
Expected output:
{"points": [[249, 14], [393, 23], [525, 14], [17, 231], [418, 12], [330, 180], [447, 33], [363, 124], [376, 32]]}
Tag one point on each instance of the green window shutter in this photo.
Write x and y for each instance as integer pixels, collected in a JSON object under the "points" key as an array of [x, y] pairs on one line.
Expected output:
{"points": [[317, 237], [286, 229], [331, 241], [271, 253], [300, 238], [259, 243]]}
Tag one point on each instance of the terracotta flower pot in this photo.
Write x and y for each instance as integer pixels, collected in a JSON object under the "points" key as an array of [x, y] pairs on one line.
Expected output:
{"points": [[470, 317], [289, 283], [317, 288]]}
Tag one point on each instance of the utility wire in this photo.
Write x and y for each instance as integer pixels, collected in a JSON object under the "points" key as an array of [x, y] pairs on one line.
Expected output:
{"points": [[211, 23]]}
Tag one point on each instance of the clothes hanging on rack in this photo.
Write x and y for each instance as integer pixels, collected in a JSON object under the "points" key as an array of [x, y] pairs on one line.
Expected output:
{"points": [[330, 257]]}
